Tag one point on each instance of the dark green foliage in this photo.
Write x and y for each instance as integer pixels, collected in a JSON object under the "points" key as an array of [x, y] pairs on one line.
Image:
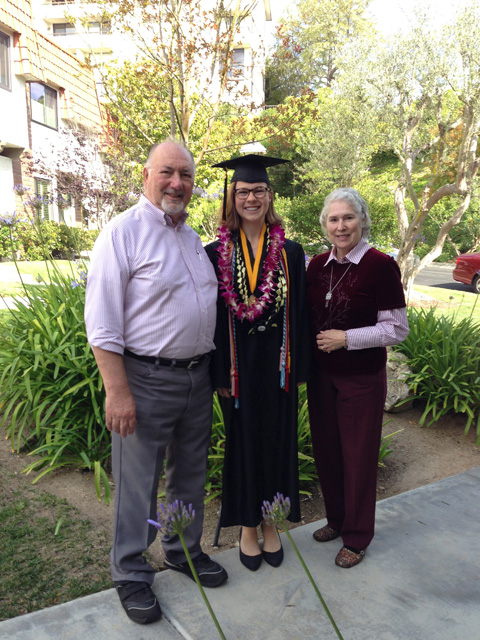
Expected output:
{"points": [[51, 390], [444, 356], [307, 471], [216, 453], [301, 217]]}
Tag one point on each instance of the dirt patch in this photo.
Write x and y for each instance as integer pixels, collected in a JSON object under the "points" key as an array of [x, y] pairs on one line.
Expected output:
{"points": [[420, 456]]}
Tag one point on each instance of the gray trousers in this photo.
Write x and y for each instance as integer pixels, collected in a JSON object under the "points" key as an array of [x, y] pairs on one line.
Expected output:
{"points": [[174, 419]]}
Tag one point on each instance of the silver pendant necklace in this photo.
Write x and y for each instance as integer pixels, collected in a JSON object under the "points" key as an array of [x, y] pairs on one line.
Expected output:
{"points": [[328, 295]]}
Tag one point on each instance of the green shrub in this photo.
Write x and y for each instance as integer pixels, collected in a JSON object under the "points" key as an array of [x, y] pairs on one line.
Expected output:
{"points": [[216, 453], [8, 242], [44, 240], [51, 390], [300, 216], [444, 356], [307, 471]]}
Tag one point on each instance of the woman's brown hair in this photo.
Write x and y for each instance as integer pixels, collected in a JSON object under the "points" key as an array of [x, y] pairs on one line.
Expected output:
{"points": [[233, 219]]}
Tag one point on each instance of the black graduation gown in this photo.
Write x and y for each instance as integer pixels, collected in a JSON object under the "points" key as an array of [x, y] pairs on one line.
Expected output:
{"points": [[261, 456]]}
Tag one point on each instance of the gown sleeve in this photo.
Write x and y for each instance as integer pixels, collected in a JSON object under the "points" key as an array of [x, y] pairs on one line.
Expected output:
{"points": [[300, 343], [220, 361]]}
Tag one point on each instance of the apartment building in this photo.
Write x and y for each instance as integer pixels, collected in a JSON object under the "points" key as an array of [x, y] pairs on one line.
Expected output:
{"points": [[83, 29], [43, 89]]}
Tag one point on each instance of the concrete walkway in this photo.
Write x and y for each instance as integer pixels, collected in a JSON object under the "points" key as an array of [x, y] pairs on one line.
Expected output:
{"points": [[420, 580]]}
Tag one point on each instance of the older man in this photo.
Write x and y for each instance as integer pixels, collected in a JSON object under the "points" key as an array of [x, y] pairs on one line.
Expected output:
{"points": [[150, 316]]}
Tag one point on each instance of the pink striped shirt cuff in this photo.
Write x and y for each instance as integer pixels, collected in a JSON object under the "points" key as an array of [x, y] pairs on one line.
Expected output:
{"points": [[391, 328]]}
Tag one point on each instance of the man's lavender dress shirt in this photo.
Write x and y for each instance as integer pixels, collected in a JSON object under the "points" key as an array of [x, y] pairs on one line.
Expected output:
{"points": [[151, 287]]}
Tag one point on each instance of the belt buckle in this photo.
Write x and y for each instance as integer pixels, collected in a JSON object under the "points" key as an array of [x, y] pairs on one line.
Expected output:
{"points": [[192, 363]]}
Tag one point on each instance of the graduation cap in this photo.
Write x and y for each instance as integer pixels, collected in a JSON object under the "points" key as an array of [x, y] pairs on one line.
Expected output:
{"points": [[249, 168]]}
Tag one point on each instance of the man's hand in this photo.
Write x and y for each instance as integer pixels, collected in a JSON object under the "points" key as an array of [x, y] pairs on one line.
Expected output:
{"points": [[119, 402], [120, 413]]}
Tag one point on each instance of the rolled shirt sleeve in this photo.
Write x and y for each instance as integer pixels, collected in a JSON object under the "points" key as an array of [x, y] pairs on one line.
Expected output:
{"points": [[391, 328]]}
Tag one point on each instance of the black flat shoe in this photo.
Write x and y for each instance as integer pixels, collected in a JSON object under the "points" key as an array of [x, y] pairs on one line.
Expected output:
{"points": [[251, 562]]}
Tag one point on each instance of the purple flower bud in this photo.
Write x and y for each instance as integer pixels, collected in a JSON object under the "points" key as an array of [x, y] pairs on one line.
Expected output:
{"points": [[277, 511], [173, 518], [20, 189]]}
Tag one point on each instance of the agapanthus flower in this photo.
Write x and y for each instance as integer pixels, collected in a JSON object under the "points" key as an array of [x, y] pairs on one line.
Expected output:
{"points": [[74, 284], [9, 219], [20, 189], [277, 511], [173, 518], [36, 202], [198, 191]]}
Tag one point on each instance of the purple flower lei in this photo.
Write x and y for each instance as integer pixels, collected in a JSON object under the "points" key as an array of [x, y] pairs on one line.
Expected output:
{"points": [[255, 308]]}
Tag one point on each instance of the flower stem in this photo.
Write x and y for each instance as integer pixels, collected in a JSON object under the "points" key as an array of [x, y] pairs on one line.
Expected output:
{"points": [[317, 591], [14, 258], [192, 569]]}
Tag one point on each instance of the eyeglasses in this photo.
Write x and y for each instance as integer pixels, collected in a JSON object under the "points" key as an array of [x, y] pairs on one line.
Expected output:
{"points": [[258, 192]]}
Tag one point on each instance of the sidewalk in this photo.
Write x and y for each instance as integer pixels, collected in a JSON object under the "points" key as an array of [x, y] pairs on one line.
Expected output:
{"points": [[420, 580]]}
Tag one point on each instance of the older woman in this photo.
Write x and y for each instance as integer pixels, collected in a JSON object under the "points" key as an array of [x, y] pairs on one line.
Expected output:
{"points": [[357, 308], [260, 357]]}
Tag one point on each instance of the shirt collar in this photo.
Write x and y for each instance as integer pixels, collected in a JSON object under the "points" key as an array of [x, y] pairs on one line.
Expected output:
{"points": [[355, 255], [163, 217]]}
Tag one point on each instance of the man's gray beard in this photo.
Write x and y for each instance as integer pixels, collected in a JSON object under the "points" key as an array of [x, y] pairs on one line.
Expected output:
{"points": [[172, 209]]}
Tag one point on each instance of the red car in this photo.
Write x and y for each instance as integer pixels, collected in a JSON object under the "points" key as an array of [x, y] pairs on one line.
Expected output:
{"points": [[468, 270]]}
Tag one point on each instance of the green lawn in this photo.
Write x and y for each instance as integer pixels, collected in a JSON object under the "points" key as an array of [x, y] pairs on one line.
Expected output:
{"points": [[461, 304], [35, 270], [63, 556]]}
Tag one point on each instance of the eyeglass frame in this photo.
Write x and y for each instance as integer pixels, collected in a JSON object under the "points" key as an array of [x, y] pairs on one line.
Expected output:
{"points": [[267, 190]]}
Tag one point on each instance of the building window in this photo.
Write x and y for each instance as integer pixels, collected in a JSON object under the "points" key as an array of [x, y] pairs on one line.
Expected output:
{"points": [[44, 104], [237, 68], [4, 61], [63, 29], [99, 27], [42, 189]]}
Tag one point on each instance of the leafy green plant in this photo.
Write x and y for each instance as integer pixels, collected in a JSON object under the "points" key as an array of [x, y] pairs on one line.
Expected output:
{"points": [[216, 453], [385, 446], [444, 355], [51, 390], [306, 463]]}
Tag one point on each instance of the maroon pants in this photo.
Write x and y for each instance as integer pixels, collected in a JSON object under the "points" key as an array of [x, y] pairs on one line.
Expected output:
{"points": [[346, 414]]}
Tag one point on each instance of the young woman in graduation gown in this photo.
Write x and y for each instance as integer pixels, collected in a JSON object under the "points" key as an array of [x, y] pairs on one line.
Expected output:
{"points": [[260, 358]]}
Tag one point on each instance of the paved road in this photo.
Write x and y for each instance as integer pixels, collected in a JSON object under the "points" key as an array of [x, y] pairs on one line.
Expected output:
{"points": [[440, 275]]}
